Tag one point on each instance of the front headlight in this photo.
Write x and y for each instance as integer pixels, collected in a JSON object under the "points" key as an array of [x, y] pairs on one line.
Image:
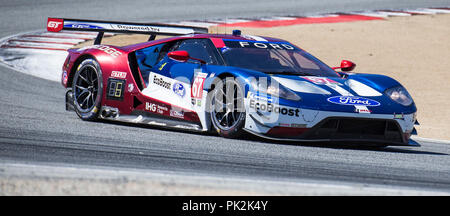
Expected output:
{"points": [[399, 95], [276, 90]]}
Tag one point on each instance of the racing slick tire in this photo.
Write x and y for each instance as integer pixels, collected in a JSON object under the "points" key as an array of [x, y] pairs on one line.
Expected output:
{"points": [[87, 88], [227, 111]]}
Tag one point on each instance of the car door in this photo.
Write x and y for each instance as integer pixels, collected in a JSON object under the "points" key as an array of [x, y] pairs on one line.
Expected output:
{"points": [[193, 72], [175, 82]]}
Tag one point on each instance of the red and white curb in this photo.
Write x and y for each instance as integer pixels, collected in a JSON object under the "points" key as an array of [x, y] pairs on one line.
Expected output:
{"points": [[41, 53], [60, 41], [325, 18]]}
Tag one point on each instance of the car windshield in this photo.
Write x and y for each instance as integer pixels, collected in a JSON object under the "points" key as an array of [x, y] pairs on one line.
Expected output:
{"points": [[273, 58]]}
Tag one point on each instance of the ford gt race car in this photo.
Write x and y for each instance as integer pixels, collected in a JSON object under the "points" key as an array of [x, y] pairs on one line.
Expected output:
{"points": [[231, 84]]}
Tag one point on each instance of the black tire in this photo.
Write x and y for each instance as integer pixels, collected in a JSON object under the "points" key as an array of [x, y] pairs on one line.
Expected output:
{"points": [[227, 111], [87, 88]]}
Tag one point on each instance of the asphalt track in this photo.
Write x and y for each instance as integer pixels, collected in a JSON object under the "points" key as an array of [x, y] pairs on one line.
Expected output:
{"points": [[35, 128]]}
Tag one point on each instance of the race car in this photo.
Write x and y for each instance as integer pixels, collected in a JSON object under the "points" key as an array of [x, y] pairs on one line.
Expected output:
{"points": [[230, 84]]}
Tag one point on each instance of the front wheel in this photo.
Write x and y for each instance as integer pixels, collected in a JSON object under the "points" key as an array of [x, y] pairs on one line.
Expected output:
{"points": [[227, 108], [87, 88]]}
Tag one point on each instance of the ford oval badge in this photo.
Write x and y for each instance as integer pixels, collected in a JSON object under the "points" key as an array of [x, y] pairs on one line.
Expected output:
{"points": [[353, 101]]}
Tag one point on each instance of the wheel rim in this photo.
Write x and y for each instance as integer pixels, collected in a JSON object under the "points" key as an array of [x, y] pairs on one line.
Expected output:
{"points": [[227, 105], [86, 88]]}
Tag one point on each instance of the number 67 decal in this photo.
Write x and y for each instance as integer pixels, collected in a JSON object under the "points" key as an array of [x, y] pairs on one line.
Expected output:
{"points": [[197, 86]]}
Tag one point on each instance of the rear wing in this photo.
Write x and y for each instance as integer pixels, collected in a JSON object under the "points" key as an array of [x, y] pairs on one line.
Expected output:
{"points": [[152, 29]]}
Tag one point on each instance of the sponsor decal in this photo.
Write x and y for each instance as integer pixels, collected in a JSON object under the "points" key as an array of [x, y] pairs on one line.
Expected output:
{"points": [[363, 109], [292, 125], [150, 107], [177, 113], [115, 89], [54, 25], [130, 87], [137, 28], [64, 77], [83, 26], [107, 49], [162, 66], [196, 102], [257, 44], [321, 80], [179, 89], [161, 82], [118, 74], [155, 108], [265, 98], [353, 101], [399, 116], [298, 125], [268, 107]]}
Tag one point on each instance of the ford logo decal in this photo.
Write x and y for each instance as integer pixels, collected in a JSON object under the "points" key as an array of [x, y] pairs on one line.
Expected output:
{"points": [[353, 101], [179, 89]]}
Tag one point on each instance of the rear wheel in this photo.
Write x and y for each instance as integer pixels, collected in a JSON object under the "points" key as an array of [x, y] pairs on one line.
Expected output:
{"points": [[227, 108], [87, 88]]}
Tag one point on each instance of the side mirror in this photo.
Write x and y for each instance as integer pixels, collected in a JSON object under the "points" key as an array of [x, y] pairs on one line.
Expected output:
{"points": [[346, 65], [182, 56]]}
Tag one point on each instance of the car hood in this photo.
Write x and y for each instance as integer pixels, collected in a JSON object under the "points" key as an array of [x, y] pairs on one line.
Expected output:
{"points": [[324, 93], [362, 93]]}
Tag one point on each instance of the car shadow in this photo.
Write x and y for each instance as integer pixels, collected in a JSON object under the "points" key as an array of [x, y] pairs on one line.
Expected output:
{"points": [[254, 138], [347, 145]]}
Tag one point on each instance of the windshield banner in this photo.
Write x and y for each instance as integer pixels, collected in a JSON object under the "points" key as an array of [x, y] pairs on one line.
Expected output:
{"points": [[258, 44]]}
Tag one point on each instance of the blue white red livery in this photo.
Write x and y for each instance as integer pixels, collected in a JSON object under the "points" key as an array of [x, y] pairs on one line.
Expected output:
{"points": [[231, 85]]}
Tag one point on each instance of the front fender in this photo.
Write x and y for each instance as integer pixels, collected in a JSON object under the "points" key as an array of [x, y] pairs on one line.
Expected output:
{"points": [[376, 81]]}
